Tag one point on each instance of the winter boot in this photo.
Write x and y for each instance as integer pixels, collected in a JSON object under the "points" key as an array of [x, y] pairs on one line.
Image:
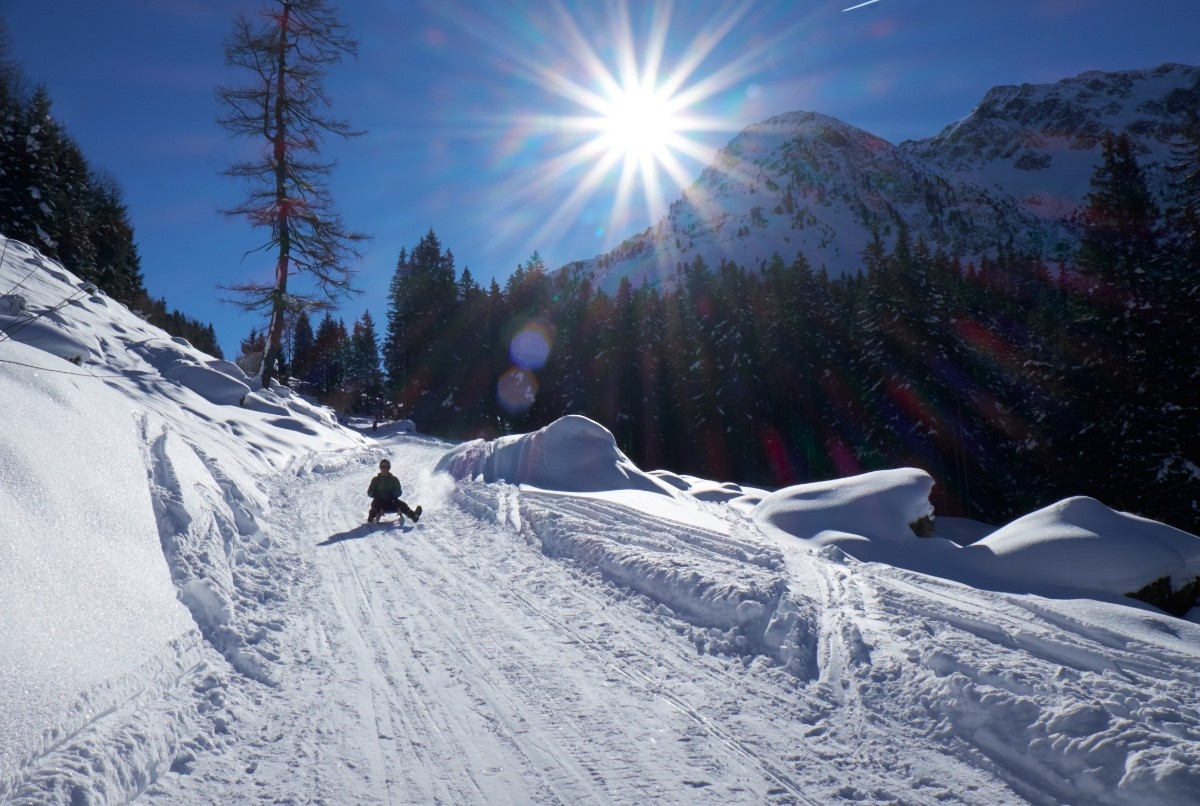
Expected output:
{"points": [[372, 516], [416, 515]]}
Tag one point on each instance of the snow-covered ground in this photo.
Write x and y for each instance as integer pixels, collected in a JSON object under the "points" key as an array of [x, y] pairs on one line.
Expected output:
{"points": [[193, 611]]}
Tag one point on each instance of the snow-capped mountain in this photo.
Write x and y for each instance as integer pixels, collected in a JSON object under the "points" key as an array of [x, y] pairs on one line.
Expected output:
{"points": [[1007, 174]]}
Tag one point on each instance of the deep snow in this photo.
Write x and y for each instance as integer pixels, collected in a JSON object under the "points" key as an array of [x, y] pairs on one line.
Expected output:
{"points": [[194, 611]]}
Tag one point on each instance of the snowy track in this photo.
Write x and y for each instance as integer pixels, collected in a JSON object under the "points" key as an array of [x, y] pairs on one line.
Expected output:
{"points": [[529, 647], [452, 662], [523, 647]]}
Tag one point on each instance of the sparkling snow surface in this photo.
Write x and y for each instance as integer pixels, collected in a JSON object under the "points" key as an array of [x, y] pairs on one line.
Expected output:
{"points": [[192, 611]]}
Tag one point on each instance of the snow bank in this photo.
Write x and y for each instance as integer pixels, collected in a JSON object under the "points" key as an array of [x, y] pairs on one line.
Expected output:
{"points": [[1082, 543], [130, 548], [85, 595], [1076, 547], [572, 454]]}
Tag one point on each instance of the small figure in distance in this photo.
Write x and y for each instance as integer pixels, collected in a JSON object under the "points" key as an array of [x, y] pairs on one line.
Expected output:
{"points": [[385, 494]]}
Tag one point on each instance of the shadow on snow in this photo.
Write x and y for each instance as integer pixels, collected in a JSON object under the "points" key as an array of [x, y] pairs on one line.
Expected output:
{"points": [[364, 530]]}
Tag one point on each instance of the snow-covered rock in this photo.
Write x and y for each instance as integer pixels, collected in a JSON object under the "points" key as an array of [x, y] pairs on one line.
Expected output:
{"points": [[1082, 542], [880, 506], [572, 454]]}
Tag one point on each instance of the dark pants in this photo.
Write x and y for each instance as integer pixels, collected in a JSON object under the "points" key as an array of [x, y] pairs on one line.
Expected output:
{"points": [[389, 503]]}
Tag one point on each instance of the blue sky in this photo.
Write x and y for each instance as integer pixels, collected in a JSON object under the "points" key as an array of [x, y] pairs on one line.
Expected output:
{"points": [[481, 117]]}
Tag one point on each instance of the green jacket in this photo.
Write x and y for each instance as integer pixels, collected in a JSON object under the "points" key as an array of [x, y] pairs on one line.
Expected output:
{"points": [[384, 485]]}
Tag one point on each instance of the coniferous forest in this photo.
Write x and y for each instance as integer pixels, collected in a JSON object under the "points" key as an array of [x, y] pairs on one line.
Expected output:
{"points": [[1012, 382], [52, 199]]}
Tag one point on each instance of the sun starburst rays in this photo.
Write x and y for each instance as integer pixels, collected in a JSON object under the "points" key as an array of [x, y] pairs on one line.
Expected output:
{"points": [[637, 132]]}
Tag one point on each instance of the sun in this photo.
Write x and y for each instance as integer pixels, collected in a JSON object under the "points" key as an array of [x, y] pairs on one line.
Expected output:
{"points": [[634, 103], [640, 124]]}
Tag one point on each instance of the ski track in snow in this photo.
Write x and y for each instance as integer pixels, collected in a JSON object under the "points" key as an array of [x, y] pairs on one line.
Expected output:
{"points": [[459, 660], [519, 646], [456, 663]]}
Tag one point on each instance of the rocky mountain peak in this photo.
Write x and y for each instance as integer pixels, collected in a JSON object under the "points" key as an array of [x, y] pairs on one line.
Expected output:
{"points": [[1009, 173]]}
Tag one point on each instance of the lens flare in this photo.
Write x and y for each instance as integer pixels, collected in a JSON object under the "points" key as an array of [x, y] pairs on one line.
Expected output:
{"points": [[517, 390], [530, 348]]}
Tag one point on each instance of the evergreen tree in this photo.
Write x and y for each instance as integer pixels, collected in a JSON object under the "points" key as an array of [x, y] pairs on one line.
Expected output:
{"points": [[282, 105], [364, 377], [1119, 239], [35, 174], [302, 347], [12, 116], [1176, 351], [401, 310], [118, 265], [1182, 283], [70, 199], [423, 295], [328, 359], [251, 351], [473, 333], [1114, 385]]}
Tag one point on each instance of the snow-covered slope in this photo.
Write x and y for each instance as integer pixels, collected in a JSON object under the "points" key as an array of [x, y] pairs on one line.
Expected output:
{"points": [[194, 612], [129, 499], [1041, 143], [804, 183]]}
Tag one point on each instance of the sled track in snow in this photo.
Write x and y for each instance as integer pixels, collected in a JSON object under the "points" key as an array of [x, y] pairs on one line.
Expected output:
{"points": [[470, 646], [644, 680], [739, 583]]}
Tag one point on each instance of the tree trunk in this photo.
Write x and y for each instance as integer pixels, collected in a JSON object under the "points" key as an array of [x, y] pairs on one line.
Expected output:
{"points": [[283, 213]]}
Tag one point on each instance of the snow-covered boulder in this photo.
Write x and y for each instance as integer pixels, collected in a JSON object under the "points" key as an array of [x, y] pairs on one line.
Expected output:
{"points": [[886, 506], [12, 304], [572, 454], [1081, 543], [229, 368], [211, 384]]}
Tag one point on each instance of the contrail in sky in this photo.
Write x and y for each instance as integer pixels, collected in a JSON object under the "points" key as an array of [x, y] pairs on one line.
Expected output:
{"points": [[860, 5]]}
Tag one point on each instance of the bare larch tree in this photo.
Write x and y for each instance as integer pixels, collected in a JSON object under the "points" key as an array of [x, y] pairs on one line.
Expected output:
{"points": [[282, 103]]}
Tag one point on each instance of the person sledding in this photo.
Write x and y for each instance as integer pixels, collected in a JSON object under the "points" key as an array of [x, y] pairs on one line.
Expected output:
{"points": [[385, 496]]}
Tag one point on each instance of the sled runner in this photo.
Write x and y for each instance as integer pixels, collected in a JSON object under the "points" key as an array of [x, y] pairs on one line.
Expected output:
{"points": [[377, 517]]}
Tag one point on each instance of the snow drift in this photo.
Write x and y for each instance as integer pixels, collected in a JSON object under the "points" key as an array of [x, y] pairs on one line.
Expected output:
{"points": [[572, 454]]}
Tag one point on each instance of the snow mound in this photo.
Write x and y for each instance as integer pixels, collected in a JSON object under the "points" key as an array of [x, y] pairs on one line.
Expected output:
{"points": [[216, 381], [572, 454], [1081, 541], [133, 565], [878, 506], [50, 334], [85, 594]]}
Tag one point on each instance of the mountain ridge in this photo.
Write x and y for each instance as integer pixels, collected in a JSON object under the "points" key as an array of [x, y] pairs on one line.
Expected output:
{"points": [[1007, 175]]}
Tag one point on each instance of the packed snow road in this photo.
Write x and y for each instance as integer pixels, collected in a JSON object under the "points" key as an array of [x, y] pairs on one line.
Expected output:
{"points": [[519, 646], [450, 662]]}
